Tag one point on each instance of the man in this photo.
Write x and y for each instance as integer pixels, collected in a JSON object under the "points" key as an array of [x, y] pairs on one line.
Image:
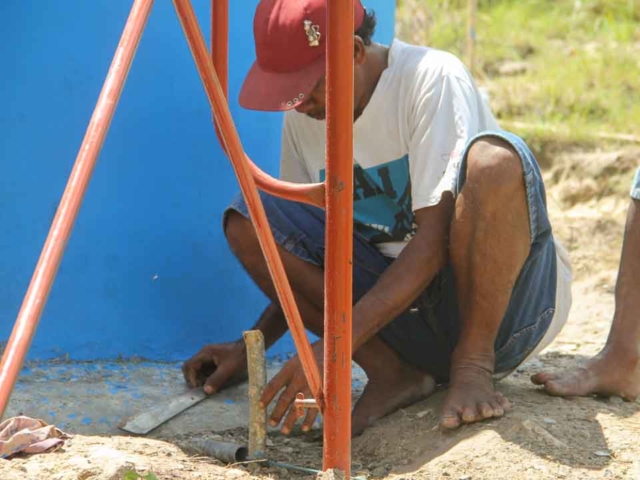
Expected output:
{"points": [[616, 369], [456, 275]]}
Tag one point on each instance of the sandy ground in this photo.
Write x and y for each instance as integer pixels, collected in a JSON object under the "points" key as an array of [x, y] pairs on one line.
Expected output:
{"points": [[541, 438]]}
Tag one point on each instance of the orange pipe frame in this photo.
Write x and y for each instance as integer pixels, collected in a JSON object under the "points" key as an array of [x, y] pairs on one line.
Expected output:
{"points": [[339, 238], [339, 231], [60, 231], [337, 196], [233, 147], [312, 194]]}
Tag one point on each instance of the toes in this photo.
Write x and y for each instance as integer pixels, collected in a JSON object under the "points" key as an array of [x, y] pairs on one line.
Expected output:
{"points": [[555, 388], [486, 410], [542, 378], [469, 415], [502, 400], [498, 411], [450, 421]]}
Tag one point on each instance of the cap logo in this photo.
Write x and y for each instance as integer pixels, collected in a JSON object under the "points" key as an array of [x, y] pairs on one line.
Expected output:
{"points": [[313, 33]]}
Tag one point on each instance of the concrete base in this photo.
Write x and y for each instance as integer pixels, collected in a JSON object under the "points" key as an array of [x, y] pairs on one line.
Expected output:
{"points": [[93, 398]]}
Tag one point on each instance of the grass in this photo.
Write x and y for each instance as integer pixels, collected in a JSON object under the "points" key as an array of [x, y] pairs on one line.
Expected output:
{"points": [[581, 60]]}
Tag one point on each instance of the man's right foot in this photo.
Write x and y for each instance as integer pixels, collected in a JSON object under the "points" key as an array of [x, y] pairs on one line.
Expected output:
{"points": [[606, 374], [383, 396]]}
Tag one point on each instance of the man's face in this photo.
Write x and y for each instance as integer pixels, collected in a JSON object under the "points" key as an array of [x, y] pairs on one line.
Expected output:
{"points": [[315, 105]]}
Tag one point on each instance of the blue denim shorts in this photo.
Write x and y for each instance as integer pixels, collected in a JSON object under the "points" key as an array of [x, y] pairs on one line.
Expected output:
{"points": [[427, 332], [635, 186]]}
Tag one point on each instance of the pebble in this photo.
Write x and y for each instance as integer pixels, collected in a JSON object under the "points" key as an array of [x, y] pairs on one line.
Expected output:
{"points": [[602, 453], [549, 421], [380, 471], [117, 471]]}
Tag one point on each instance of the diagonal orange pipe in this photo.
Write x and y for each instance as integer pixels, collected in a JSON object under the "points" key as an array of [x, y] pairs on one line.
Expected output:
{"points": [[60, 231], [236, 154], [339, 238]]}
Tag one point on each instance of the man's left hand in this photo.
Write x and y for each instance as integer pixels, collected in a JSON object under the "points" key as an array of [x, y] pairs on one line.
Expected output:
{"points": [[291, 378]]}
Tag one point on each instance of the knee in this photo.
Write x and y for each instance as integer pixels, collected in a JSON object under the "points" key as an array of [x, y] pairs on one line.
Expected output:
{"points": [[240, 234], [494, 169]]}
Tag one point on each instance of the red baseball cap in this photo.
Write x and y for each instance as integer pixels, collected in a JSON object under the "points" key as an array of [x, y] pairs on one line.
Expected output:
{"points": [[290, 38]]}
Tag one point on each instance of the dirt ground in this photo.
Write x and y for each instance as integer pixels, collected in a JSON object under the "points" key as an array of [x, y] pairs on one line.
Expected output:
{"points": [[540, 438]]}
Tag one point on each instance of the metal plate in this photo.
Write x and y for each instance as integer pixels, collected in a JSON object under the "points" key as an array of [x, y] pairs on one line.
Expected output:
{"points": [[144, 422]]}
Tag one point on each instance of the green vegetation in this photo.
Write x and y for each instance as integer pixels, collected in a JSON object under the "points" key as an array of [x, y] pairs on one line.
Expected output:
{"points": [[575, 64], [131, 475]]}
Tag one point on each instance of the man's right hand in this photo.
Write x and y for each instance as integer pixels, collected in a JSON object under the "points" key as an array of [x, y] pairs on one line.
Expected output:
{"points": [[216, 366]]}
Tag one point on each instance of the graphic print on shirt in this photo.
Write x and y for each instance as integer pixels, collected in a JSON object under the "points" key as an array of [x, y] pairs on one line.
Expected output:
{"points": [[382, 201]]}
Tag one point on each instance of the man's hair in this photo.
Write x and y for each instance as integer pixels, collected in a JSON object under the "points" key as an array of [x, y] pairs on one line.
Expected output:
{"points": [[368, 27]]}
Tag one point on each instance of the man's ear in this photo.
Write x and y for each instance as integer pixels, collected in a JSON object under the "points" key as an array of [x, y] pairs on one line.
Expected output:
{"points": [[359, 50]]}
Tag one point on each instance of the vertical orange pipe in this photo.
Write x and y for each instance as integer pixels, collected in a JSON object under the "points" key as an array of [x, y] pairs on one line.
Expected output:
{"points": [[234, 150], [219, 39], [60, 230], [339, 237], [219, 48]]}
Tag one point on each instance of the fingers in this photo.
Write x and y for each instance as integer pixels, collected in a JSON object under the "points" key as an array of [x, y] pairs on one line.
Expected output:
{"points": [[218, 378], [290, 421], [276, 384], [286, 408], [284, 402], [309, 419], [190, 370]]}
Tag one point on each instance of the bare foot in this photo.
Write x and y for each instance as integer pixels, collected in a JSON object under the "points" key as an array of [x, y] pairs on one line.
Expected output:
{"points": [[383, 396], [606, 374], [471, 398]]}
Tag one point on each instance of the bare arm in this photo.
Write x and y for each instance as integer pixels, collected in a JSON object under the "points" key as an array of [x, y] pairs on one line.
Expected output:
{"points": [[400, 284]]}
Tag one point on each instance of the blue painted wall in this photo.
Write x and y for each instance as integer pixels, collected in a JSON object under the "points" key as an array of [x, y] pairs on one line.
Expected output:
{"points": [[147, 271]]}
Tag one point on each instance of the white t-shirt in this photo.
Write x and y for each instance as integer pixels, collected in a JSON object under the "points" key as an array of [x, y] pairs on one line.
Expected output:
{"points": [[407, 150], [407, 142]]}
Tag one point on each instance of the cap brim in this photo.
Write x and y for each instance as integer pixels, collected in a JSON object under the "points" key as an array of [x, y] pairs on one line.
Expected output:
{"points": [[273, 92]]}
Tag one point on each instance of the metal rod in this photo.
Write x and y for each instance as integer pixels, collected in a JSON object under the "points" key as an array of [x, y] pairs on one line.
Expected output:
{"points": [[224, 451], [339, 238], [297, 468], [313, 193], [247, 185], [254, 341], [60, 231]]}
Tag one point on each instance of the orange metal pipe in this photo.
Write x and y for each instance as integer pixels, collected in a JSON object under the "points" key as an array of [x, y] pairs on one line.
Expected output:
{"points": [[339, 238], [234, 149], [47, 267], [219, 48], [313, 193]]}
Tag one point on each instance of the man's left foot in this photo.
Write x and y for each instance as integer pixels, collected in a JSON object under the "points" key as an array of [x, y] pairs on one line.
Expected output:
{"points": [[471, 398]]}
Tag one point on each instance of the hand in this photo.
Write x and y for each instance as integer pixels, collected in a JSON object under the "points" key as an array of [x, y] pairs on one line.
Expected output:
{"points": [[291, 378], [216, 366]]}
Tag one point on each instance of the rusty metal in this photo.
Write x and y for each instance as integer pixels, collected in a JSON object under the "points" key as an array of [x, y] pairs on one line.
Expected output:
{"points": [[236, 154], [56, 242], [302, 404], [226, 452], [339, 238], [254, 341]]}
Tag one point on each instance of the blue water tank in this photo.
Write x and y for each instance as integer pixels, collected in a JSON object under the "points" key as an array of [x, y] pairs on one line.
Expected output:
{"points": [[147, 271]]}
